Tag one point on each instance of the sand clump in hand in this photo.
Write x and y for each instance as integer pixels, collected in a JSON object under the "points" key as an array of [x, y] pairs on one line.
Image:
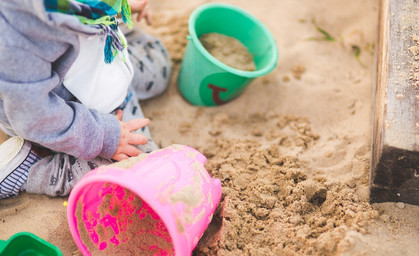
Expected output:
{"points": [[228, 50]]}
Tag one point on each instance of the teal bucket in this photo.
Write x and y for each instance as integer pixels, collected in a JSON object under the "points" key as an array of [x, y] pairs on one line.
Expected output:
{"points": [[205, 81]]}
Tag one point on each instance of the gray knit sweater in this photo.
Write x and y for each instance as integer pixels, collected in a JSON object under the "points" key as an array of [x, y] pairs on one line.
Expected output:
{"points": [[36, 50]]}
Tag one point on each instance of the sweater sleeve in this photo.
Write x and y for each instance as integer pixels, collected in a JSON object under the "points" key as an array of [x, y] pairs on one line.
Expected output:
{"points": [[38, 114]]}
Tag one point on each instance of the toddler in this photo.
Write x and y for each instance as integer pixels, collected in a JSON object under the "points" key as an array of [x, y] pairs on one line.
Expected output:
{"points": [[71, 76]]}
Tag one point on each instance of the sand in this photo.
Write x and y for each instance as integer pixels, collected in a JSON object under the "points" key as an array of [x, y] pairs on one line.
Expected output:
{"points": [[138, 227], [292, 152], [228, 50]]}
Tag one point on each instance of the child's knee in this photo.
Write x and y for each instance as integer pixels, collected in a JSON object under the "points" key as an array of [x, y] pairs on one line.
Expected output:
{"points": [[152, 65]]}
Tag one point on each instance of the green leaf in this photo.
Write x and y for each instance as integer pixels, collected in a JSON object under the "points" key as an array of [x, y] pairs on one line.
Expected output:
{"points": [[357, 51], [326, 35]]}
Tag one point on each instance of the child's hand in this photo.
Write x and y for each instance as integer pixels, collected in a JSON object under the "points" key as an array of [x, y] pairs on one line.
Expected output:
{"points": [[141, 8], [128, 139]]}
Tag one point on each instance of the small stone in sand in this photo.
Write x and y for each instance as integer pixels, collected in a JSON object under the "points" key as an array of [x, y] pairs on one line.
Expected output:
{"points": [[298, 70]]}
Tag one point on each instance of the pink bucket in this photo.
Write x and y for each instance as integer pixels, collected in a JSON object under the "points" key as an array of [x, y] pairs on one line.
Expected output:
{"points": [[160, 206]]}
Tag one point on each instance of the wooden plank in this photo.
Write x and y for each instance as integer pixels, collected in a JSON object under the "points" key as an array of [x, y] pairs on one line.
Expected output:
{"points": [[394, 174]]}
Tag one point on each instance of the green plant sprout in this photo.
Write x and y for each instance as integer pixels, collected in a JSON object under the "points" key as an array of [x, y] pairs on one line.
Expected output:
{"points": [[357, 52], [326, 36]]}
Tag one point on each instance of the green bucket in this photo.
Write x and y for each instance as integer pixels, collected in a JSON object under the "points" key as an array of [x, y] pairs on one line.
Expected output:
{"points": [[27, 244], [205, 81]]}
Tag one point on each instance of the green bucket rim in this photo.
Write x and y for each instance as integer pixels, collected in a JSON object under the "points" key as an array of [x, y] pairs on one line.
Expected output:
{"points": [[249, 74]]}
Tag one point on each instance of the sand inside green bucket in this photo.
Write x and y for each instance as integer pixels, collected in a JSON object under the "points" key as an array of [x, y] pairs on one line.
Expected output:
{"points": [[228, 50]]}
